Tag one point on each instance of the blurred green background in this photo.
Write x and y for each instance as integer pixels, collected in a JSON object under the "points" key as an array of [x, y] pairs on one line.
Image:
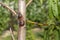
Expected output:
{"points": [[40, 11]]}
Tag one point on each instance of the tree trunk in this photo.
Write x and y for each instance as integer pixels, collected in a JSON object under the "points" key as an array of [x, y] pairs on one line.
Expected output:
{"points": [[21, 20]]}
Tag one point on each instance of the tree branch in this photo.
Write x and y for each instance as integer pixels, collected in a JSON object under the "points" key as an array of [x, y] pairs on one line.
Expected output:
{"points": [[21, 20], [4, 5], [40, 24], [28, 3]]}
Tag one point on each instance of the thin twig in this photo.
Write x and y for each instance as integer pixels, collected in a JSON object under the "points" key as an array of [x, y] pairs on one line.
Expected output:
{"points": [[12, 34], [12, 26], [28, 3], [40, 24], [4, 5]]}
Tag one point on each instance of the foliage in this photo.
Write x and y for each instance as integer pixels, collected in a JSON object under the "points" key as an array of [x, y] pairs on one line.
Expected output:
{"points": [[41, 11]]}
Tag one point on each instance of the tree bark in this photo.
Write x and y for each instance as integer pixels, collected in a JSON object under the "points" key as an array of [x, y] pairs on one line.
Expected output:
{"points": [[21, 20]]}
